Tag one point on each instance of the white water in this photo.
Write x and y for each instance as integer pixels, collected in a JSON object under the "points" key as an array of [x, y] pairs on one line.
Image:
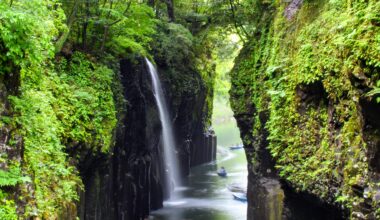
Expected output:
{"points": [[168, 142]]}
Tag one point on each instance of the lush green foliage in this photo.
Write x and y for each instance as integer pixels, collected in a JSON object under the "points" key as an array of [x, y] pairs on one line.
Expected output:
{"points": [[173, 45], [185, 58], [330, 49], [224, 59], [7, 207], [74, 106], [45, 158], [84, 102], [375, 91], [57, 108], [110, 27], [233, 16], [12, 177], [62, 57], [26, 31]]}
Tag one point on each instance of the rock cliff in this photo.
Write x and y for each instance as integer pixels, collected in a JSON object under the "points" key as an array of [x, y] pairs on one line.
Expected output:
{"points": [[130, 182], [301, 93]]}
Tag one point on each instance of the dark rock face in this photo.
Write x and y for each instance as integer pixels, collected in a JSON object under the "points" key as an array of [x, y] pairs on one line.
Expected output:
{"points": [[4, 111], [196, 144], [265, 194], [130, 183], [137, 153], [97, 200], [371, 119], [203, 148], [301, 205], [9, 86]]}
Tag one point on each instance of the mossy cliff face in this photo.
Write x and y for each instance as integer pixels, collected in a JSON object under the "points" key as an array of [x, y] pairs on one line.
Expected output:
{"points": [[42, 146], [62, 152], [131, 182], [11, 145], [300, 93], [47, 112]]}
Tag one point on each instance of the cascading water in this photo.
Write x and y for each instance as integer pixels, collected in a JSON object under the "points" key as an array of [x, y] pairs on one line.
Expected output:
{"points": [[167, 133]]}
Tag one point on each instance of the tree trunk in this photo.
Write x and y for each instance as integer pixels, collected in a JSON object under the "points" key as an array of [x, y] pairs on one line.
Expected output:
{"points": [[170, 8], [85, 24], [70, 20], [151, 3]]}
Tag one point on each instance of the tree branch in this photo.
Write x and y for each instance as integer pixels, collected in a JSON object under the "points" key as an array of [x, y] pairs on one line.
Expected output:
{"points": [[107, 26], [237, 26], [62, 39]]}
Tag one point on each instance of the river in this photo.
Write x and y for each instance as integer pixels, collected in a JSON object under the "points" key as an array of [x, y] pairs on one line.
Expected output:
{"points": [[205, 194]]}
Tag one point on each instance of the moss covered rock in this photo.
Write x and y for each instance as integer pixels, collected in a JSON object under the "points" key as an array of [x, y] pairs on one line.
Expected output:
{"points": [[310, 66]]}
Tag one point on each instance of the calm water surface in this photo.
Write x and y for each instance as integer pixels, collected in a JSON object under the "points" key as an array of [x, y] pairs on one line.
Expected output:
{"points": [[205, 195]]}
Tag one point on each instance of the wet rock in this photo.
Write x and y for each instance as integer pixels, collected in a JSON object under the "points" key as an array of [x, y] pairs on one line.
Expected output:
{"points": [[376, 197], [267, 199], [11, 142], [358, 215], [129, 183], [203, 149], [292, 8]]}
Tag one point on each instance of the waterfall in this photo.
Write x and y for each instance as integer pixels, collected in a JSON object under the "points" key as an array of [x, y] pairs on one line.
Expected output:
{"points": [[168, 142]]}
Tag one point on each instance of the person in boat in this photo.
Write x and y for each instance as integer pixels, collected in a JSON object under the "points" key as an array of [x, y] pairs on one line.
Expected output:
{"points": [[222, 170]]}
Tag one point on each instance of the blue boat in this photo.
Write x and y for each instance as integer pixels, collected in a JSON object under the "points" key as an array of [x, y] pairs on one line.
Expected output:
{"points": [[240, 196], [236, 147], [222, 174]]}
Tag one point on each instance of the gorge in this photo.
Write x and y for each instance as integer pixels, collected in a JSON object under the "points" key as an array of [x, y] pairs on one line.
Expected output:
{"points": [[112, 109]]}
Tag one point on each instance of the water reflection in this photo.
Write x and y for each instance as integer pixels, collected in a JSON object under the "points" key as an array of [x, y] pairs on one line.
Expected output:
{"points": [[205, 195]]}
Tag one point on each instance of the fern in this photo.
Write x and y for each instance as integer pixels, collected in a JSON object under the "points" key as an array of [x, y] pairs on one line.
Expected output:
{"points": [[12, 177], [375, 91]]}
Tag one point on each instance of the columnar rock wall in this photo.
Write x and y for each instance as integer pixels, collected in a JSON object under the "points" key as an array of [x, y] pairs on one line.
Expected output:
{"points": [[130, 182]]}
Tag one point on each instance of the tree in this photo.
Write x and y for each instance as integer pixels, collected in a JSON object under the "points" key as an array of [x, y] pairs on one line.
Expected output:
{"points": [[170, 9], [95, 26]]}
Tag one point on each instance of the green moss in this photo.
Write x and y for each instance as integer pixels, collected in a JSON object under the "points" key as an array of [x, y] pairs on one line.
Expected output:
{"points": [[54, 108], [332, 43], [84, 102], [187, 74], [69, 107], [7, 207], [12, 177]]}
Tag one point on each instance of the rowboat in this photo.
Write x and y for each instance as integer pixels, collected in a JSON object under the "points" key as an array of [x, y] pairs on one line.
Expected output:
{"points": [[240, 196], [237, 188], [237, 147]]}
